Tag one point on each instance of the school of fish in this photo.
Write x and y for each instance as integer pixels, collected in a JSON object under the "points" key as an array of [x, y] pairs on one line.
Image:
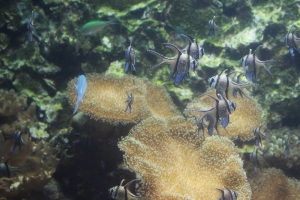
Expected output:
{"points": [[181, 64]]}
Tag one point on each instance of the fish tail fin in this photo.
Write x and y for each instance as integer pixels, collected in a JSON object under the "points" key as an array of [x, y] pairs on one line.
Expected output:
{"points": [[268, 62], [76, 107], [165, 59], [126, 67]]}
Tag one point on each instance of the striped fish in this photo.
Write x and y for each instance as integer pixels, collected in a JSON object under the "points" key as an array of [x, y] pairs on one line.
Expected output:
{"points": [[223, 84], [123, 192], [130, 58], [228, 194], [251, 64], [213, 27], [292, 41], [218, 113], [258, 134], [180, 64]]}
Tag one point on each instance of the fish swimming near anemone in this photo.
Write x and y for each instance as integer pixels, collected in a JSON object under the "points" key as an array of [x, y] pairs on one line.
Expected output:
{"points": [[80, 89], [228, 194], [287, 147], [223, 84], [18, 141], [213, 27], [292, 41], [6, 170], [129, 101], [31, 28], [218, 113], [258, 134], [251, 64], [125, 192], [92, 27], [179, 65], [130, 59], [200, 122]]}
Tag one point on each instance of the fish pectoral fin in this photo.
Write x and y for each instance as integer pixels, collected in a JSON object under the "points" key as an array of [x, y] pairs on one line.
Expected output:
{"points": [[225, 121], [250, 76]]}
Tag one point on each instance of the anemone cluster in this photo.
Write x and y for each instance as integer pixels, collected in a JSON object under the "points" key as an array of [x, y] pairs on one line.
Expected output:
{"points": [[181, 142], [283, 145]]}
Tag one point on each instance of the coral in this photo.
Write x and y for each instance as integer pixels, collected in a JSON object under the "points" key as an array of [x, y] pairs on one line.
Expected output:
{"points": [[11, 103], [174, 163], [39, 164], [21, 120], [106, 95], [37, 158], [247, 116], [274, 148], [272, 184]]}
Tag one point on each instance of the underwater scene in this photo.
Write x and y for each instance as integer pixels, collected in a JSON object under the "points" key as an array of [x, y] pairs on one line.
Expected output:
{"points": [[150, 99]]}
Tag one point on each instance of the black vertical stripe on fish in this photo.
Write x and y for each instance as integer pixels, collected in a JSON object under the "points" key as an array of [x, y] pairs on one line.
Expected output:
{"points": [[129, 53], [227, 106], [218, 79], [230, 193], [254, 66], [117, 191], [197, 49], [293, 41], [125, 190], [7, 168], [227, 87]]}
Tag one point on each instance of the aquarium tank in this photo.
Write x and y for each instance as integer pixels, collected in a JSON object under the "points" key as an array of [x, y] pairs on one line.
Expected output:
{"points": [[150, 99]]}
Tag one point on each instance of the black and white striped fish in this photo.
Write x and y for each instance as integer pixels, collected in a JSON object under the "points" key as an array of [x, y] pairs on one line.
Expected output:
{"points": [[130, 59], [129, 101], [218, 113], [179, 65], [124, 192], [213, 27], [292, 41], [228, 194], [251, 64], [193, 48], [258, 134], [223, 84]]}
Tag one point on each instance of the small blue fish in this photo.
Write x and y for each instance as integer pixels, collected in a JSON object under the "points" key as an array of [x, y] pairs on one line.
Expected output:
{"points": [[80, 88], [31, 27], [18, 141]]}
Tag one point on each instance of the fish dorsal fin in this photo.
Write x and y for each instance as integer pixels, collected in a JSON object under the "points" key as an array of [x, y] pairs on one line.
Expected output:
{"points": [[257, 51], [122, 182], [212, 97], [222, 72], [190, 42], [130, 40], [130, 186], [174, 48]]}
